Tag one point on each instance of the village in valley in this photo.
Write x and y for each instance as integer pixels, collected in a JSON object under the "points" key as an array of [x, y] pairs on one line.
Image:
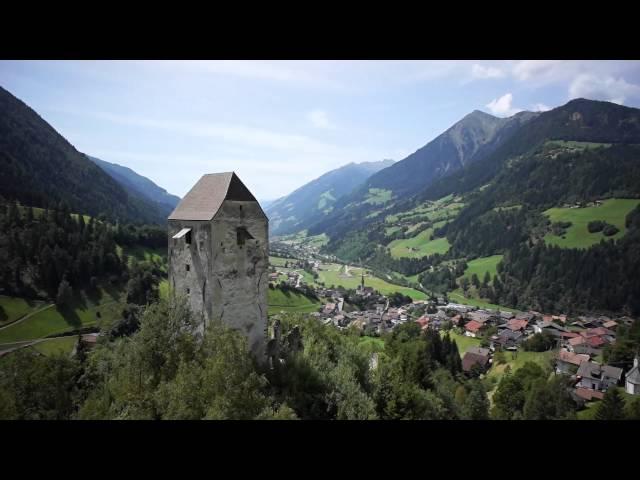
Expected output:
{"points": [[490, 341]]}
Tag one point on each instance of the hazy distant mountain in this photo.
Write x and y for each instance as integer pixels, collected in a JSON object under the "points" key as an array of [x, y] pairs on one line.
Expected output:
{"points": [[316, 199], [137, 185], [266, 203], [39, 167]]}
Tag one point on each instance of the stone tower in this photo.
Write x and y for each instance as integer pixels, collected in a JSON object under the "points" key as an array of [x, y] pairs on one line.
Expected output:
{"points": [[218, 256]]}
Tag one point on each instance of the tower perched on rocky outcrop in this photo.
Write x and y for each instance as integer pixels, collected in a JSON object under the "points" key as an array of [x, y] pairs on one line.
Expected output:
{"points": [[218, 256]]}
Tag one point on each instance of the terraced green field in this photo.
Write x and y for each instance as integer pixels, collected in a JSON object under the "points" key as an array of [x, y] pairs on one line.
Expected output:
{"points": [[13, 308], [612, 211]]}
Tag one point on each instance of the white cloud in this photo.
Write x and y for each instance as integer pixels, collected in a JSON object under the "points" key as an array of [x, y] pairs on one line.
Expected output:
{"points": [[482, 72], [502, 107], [615, 90], [540, 107], [529, 69], [320, 119]]}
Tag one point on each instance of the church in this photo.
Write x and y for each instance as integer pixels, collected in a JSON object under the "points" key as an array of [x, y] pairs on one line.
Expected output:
{"points": [[218, 256]]}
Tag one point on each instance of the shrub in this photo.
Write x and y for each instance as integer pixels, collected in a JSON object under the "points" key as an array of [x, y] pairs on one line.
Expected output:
{"points": [[596, 226], [610, 230]]}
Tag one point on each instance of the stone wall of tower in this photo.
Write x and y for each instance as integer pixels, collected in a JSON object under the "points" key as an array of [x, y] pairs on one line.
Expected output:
{"points": [[193, 282], [239, 279]]}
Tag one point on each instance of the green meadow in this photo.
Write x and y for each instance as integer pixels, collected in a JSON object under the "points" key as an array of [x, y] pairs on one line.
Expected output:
{"points": [[333, 274], [480, 266], [419, 246], [612, 211]]}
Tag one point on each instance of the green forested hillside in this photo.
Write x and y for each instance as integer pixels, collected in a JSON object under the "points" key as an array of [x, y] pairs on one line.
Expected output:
{"points": [[541, 189], [40, 168]]}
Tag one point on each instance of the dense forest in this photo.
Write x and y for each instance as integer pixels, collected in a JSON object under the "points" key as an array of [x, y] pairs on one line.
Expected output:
{"points": [[47, 252]]}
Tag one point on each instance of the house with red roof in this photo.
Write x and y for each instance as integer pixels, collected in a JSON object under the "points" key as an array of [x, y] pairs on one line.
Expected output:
{"points": [[517, 325], [472, 328]]}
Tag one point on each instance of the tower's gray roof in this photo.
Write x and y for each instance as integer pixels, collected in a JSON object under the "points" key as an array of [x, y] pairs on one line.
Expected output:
{"points": [[205, 198]]}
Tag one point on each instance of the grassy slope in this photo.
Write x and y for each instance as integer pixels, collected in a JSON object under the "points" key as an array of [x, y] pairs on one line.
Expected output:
{"points": [[14, 308], [371, 344], [612, 211], [463, 342], [52, 321], [456, 296], [517, 359], [378, 196], [54, 346], [480, 266], [422, 245], [290, 302]]}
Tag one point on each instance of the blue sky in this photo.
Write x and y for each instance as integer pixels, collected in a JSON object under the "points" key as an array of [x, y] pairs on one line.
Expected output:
{"points": [[280, 124]]}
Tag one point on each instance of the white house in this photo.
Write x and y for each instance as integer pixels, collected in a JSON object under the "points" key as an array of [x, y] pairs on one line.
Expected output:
{"points": [[632, 384]]}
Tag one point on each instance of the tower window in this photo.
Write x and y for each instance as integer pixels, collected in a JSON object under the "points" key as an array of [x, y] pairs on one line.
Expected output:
{"points": [[188, 267], [242, 235], [187, 238], [188, 291]]}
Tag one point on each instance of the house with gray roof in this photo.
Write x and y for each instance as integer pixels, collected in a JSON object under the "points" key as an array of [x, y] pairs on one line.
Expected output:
{"points": [[598, 377]]}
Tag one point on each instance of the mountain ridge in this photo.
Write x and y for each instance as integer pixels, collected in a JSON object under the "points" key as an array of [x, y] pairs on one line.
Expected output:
{"points": [[316, 198]]}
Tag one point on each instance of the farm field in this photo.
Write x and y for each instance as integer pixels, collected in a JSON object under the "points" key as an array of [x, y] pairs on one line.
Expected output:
{"points": [[612, 211], [332, 274]]}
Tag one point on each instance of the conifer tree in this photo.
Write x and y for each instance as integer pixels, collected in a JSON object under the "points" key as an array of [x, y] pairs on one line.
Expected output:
{"points": [[612, 406]]}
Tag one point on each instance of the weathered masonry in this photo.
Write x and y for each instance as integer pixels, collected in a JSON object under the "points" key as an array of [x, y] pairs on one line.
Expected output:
{"points": [[218, 255]]}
